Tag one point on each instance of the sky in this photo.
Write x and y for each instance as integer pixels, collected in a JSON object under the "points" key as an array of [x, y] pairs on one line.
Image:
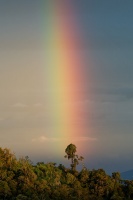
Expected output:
{"points": [[96, 103]]}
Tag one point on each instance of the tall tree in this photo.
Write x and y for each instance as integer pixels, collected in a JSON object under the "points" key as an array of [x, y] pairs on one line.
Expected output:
{"points": [[71, 154]]}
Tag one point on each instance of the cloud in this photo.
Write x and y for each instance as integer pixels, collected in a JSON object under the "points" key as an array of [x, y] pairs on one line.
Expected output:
{"points": [[113, 95], [43, 139], [84, 139], [19, 105]]}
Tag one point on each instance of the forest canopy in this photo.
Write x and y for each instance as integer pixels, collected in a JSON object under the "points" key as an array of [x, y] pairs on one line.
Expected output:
{"points": [[21, 180]]}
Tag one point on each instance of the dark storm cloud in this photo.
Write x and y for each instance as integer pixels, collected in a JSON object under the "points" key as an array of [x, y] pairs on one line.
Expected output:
{"points": [[121, 94], [106, 24]]}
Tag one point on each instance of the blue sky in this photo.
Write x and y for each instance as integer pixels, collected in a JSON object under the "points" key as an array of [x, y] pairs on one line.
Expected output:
{"points": [[107, 47]]}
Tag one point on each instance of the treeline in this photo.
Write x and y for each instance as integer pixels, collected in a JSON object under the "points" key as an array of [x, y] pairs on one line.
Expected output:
{"points": [[21, 180]]}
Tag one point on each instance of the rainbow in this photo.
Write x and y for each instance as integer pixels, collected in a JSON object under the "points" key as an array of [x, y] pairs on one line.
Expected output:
{"points": [[64, 70]]}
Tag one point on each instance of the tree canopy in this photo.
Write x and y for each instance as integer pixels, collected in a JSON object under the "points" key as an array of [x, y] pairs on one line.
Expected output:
{"points": [[21, 180], [71, 154]]}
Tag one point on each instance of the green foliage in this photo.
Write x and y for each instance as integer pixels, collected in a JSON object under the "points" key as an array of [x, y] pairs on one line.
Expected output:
{"points": [[71, 154], [21, 180]]}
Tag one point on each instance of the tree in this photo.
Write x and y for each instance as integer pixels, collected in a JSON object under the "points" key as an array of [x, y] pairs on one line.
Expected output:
{"points": [[117, 191], [128, 188], [71, 154], [7, 173]]}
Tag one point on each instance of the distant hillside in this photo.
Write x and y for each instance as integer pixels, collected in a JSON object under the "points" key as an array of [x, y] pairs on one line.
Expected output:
{"points": [[128, 175]]}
